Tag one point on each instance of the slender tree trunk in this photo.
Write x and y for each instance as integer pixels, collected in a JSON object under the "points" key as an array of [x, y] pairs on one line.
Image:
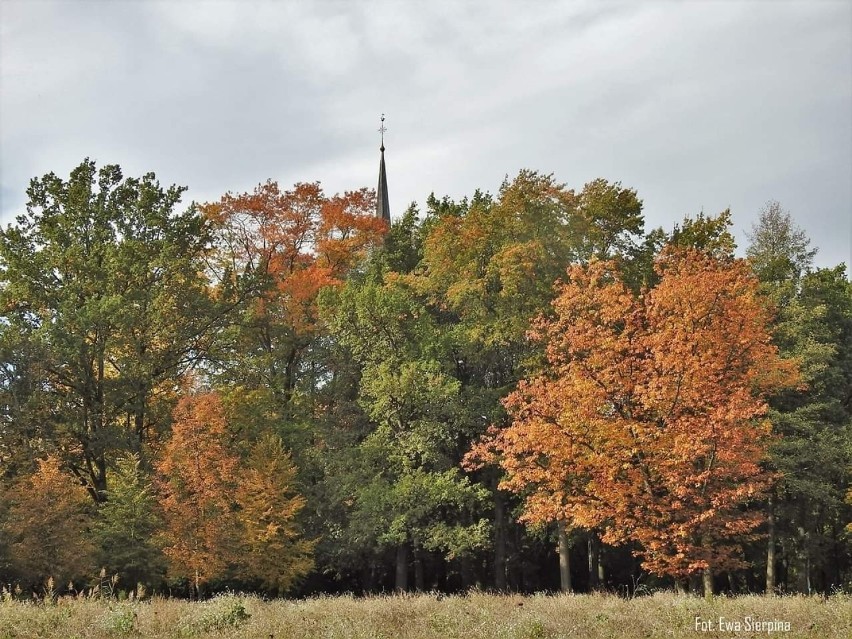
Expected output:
{"points": [[402, 568], [139, 419], [835, 552], [564, 559], [771, 577], [707, 574], [808, 572], [467, 576], [594, 561], [419, 580], [681, 586], [499, 539]]}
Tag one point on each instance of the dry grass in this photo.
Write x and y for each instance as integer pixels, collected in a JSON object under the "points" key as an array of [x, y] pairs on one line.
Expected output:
{"points": [[473, 616]]}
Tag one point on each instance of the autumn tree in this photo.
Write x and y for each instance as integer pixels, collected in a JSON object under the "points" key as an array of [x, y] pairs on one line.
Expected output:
{"points": [[284, 247], [489, 266], [650, 419], [272, 549], [47, 526], [197, 476]]}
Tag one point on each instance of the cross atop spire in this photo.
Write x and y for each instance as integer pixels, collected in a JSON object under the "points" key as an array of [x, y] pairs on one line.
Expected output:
{"points": [[382, 130], [382, 203]]}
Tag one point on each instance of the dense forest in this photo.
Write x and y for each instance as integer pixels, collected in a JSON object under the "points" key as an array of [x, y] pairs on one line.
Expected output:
{"points": [[278, 393]]}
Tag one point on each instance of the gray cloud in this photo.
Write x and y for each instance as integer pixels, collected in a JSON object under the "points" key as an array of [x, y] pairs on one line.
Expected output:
{"points": [[697, 105]]}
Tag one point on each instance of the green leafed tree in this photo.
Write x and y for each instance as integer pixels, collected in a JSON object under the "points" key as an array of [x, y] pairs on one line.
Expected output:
{"points": [[127, 525], [403, 490], [779, 250], [102, 281], [806, 548], [809, 550], [707, 233]]}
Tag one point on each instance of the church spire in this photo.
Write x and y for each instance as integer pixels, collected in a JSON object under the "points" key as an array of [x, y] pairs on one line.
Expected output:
{"points": [[382, 204]]}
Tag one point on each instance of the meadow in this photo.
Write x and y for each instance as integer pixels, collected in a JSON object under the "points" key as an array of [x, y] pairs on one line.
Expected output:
{"points": [[428, 616]]}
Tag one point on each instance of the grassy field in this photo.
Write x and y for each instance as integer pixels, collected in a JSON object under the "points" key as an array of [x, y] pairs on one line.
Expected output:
{"points": [[426, 616]]}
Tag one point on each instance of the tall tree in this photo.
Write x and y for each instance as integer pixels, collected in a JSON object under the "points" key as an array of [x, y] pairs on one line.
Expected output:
{"points": [[275, 365], [807, 513], [648, 421], [405, 491], [489, 268], [197, 478], [284, 247], [103, 279]]}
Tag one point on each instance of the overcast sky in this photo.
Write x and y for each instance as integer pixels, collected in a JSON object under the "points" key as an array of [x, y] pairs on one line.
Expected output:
{"points": [[696, 105]]}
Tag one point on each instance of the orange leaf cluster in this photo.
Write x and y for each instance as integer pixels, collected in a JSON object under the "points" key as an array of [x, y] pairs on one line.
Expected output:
{"points": [[299, 241], [650, 422], [48, 526], [198, 475], [222, 515]]}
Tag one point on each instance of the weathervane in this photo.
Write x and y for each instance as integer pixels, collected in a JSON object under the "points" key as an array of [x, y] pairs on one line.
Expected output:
{"points": [[382, 130]]}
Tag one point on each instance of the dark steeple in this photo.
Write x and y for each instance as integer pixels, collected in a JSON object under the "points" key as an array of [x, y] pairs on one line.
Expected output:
{"points": [[382, 204]]}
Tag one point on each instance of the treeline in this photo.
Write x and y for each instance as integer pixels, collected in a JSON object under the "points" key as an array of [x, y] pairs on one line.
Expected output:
{"points": [[522, 391]]}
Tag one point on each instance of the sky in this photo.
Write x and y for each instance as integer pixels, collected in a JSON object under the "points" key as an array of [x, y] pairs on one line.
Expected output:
{"points": [[699, 106]]}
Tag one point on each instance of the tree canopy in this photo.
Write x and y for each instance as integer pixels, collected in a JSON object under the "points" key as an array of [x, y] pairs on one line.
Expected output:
{"points": [[278, 392]]}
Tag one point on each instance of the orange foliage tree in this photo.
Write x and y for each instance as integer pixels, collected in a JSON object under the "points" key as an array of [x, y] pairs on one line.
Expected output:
{"points": [[227, 516], [48, 527], [273, 550], [285, 246], [649, 420], [197, 478]]}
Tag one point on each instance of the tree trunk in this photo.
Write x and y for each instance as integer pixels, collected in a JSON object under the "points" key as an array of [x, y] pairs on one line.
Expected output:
{"points": [[419, 580], [771, 577], [467, 577], [694, 583], [681, 586], [139, 418], [707, 579], [564, 559], [499, 540], [402, 568], [808, 572], [594, 561]]}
